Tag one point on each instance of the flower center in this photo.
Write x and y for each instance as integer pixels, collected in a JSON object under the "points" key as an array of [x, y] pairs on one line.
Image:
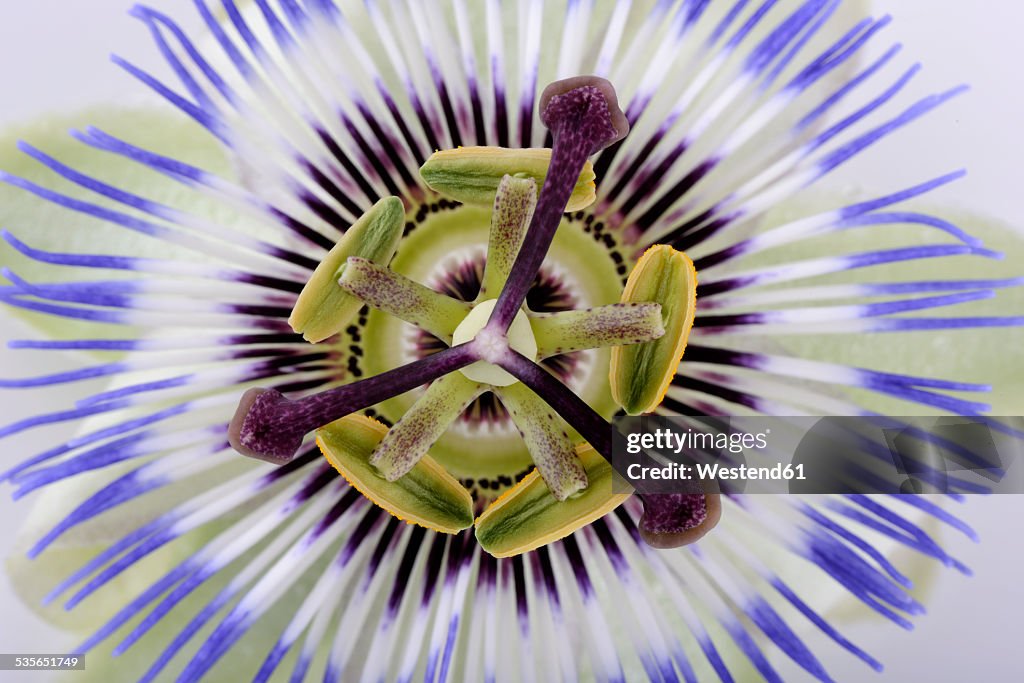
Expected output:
{"points": [[393, 467], [493, 345], [554, 290], [445, 249]]}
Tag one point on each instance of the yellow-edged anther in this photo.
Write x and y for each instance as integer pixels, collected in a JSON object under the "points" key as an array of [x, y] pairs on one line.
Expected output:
{"points": [[640, 374], [471, 174], [528, 516], [427, 495], [323, 308]]}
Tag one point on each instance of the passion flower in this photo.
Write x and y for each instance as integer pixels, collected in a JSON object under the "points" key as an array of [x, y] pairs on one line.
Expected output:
{"points": [[483, 299]]}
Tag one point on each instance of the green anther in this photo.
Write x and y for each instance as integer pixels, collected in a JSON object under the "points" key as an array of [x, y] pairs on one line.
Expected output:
{"points": [[403, 298], [641, 374], [592, 328], [513, 208], [423, 424], [471, 174], [529, 516], [427, 495], [547, 438], [323, 308]]}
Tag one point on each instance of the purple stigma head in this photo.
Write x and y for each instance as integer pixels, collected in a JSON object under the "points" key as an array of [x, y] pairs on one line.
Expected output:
{"points": [[257, 430], [672, 520], [587, 105]]}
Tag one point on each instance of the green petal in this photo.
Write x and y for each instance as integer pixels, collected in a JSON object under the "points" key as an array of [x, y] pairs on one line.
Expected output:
{"points": [[992, 356], [46, 226], [34, 578]]}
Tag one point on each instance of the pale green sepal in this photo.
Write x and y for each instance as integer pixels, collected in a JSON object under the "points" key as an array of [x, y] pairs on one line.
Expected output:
{"points": [[34, 578], [547, 438], [46, 226], [592, 328], [471, 174], [323, 308], [403, 298], [412, 436], [513, 208], [986, 355]]}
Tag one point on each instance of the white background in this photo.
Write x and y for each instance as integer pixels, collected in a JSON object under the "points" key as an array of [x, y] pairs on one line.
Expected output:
{"points": [[53, 56]]}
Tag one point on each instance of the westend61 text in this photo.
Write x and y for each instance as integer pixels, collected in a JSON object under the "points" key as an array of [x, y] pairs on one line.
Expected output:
{"points": [[716, 472]]}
